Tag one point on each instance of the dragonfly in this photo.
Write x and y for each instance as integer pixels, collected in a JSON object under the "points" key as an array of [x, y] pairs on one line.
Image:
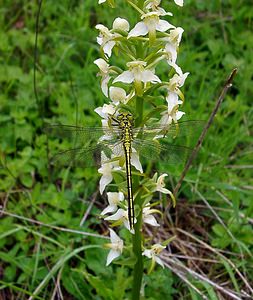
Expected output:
{"points": [[93, 146]]}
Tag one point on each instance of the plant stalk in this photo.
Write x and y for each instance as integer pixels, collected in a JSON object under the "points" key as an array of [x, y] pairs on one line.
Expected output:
{"points": [[137, 237], [137, 250]]}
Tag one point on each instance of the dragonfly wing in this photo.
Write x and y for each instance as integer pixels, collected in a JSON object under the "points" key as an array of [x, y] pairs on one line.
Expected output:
{"points": [[161, 151], [83, 137], [84, 158], [181, 129]]}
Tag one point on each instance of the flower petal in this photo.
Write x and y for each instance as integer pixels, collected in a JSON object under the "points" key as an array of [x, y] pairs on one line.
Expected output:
{"points": [[106, 171], [176, 68], [159, 261], [183, 78], [104, 85], [102, 64], [163, 26], [171, 52], [175, 36], [139, 29], [151, 220], [179, 114], [166, 119], [114, 197], [105, 110], [107, 48], [135, 161], [111, 256], [147, 252], [121, 213], [109, 209], [149, 76], [172, 100], [117, 94], [104, 181], [99, 40], [114, 237], [126, 77], [160, 185], [179, 2]]}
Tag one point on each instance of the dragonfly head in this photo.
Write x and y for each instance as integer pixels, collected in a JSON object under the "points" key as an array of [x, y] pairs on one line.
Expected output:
{"points": [[125, 119]]}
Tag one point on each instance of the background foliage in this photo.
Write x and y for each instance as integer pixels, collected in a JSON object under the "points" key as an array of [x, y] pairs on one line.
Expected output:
{"points": [[215, 204]]}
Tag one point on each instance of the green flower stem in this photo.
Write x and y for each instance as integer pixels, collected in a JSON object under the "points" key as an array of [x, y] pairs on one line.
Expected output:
{"points": [[139, 111], [137, 250], [136, 7], [137, 237]]}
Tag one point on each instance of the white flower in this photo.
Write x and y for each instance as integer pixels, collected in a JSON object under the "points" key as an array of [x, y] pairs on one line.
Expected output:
{"points": [[121, 24], [135, 160], [153, 253], [150, 24], [117, 94], [104, 73], [172, 114], [177, 81], [122, 216], [106, 111], [153, 5], [170, 52], [106, 39], [175, 36], [116, 246], [137, 73], [101, 1], [147, 216], [119, 153], [173, 101], [160, 185], [106, 171], [179, 2], [113, 198]]}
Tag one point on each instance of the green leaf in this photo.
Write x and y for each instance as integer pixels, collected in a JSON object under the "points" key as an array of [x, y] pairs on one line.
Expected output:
{"points": [[10, 273], [101, 287]]}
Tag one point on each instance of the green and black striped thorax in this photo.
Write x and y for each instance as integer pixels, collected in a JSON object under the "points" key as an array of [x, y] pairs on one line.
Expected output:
{"points": [[126, 124]]}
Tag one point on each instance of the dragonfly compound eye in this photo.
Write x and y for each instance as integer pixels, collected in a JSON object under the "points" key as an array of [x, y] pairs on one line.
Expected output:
{"points": [[120, 116]]}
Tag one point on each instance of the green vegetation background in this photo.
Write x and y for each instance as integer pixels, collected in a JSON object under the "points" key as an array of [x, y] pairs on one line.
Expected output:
{"points": [[218, 37]]}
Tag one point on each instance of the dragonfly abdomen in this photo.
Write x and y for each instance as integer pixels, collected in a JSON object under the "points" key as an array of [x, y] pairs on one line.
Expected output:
{"points": [[128, 151]]}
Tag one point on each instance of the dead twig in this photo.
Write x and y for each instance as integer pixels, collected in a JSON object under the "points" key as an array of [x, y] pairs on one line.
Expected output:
{"points": [[84, 233]]}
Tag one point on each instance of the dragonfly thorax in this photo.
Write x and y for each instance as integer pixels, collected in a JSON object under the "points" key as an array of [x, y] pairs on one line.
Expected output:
{"points": [[125, 121]]}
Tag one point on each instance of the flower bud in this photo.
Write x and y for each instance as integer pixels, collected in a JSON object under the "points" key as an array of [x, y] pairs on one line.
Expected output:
{"points": [[121, 24], [117, 94]]}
